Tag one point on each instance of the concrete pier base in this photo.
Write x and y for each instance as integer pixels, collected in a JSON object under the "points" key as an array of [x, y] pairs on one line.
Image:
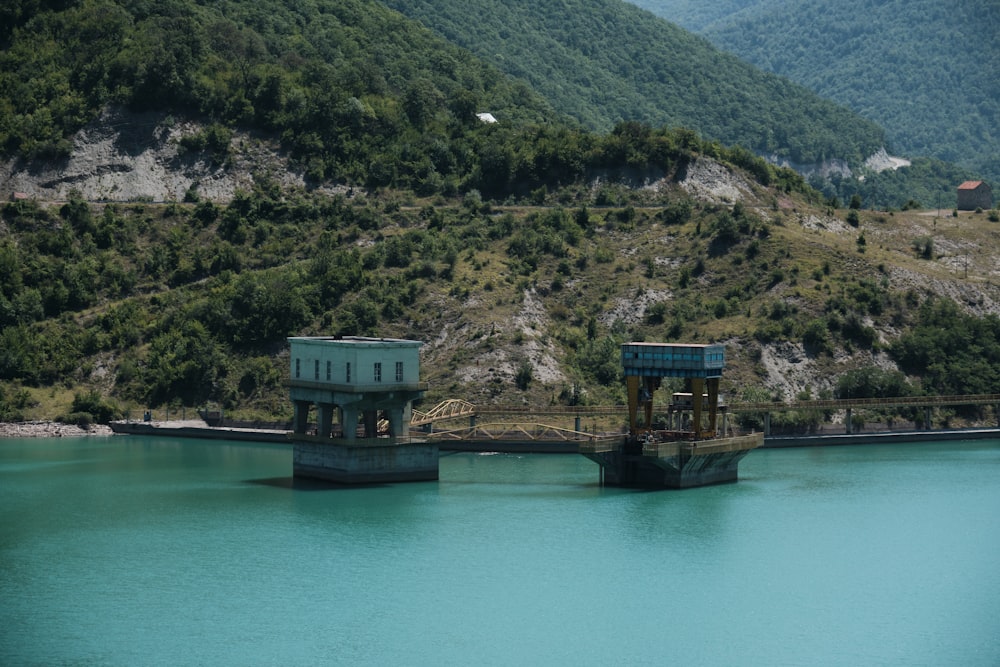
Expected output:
{"points": [[671, 465], [364, 460]]}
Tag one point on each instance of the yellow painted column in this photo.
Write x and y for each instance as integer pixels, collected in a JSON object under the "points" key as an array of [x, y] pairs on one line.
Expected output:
{"points": [[632, 388], [697, 389], [713, 402], [651, 389]]}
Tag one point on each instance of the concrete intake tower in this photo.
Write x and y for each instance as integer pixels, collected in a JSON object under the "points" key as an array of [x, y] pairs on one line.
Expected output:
{"points": [[369, 385]]}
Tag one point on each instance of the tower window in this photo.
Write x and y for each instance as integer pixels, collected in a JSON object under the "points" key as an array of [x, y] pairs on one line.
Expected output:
{"points": [[399, 371], [378, 371]]}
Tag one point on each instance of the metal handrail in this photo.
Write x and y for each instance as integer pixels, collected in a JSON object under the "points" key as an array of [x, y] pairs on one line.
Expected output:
{"points": [[844, 403], [764, 406], [531, 431]]}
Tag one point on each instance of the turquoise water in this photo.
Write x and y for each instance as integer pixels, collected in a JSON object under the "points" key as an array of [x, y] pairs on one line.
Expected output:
{"points": [[133, 551]]}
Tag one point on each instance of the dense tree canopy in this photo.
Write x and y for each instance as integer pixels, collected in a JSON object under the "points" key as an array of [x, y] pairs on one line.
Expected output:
{"points": [[926, 71], [605, 61], [185, 302], [341, 80], [338, 81], [953, 352]]}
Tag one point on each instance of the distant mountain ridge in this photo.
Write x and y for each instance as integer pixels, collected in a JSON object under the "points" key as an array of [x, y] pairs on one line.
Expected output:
{"points": [[926, 71], [604, 61]]}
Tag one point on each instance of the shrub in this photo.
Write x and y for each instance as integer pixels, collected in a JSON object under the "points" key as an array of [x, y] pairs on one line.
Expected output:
{"points": [[11, 407], [872, 382], [924, 247], [657, 313], [92, 407], [524, 376], [815, 337], [81, 419]]}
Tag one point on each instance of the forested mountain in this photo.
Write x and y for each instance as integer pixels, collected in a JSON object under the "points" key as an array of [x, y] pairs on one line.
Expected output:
{"points": [[694, 15], [603, 61], [925, 70], [347, 86], [521, 252]]}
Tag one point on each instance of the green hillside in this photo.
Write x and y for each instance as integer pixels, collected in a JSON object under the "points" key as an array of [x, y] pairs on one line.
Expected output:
{"points": [[346, 86], [925, 71], [522, 253], [605, 61], [696, 16], [106, 308]]}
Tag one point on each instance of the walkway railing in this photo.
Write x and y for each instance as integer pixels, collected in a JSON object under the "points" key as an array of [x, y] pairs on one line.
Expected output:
{"points": [[845, 403], [533, 432], [452, 408], [448, 409]]}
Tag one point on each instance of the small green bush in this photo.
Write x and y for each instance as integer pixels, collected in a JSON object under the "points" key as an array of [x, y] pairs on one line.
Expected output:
{"points": [[92, 407]]}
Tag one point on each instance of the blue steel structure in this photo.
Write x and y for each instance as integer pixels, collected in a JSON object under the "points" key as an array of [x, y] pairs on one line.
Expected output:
{"points": [[645, 366]]}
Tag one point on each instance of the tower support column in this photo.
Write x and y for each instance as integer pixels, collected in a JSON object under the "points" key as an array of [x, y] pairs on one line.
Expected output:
{"points": [[349, 415], [713, 403], [324, 419], [396, 422], [697, 391], [300, 419], [632, 389], [370, 419]]}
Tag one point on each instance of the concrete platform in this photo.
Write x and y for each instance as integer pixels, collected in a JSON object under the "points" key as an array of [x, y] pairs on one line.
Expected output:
{"points": [[364, 460], [672, 465]]}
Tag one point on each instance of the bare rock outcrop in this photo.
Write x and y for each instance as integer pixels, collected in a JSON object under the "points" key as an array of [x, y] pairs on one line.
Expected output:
{"points": [[131, 157]]}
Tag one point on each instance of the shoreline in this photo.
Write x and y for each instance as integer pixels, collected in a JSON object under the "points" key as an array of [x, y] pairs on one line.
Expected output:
{"points": [[198, 429], [47, 429]]}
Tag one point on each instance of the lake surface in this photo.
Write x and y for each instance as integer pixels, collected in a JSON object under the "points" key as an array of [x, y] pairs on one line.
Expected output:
{"points": [[154, 551]]}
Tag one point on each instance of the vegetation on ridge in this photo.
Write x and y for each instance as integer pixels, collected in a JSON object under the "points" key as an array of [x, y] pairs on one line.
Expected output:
{"points": [[521, 252], [358, 94], [605, 61], [926, 71], [182, 304], [352, 89]]}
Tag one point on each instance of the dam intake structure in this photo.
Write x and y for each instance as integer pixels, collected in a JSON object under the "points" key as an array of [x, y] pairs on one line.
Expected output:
{"points": [[364, 381], [363, 391], [686, 451]]}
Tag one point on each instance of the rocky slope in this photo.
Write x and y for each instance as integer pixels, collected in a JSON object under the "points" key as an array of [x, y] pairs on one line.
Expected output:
{"points": [[128, 157], [478, 348]]}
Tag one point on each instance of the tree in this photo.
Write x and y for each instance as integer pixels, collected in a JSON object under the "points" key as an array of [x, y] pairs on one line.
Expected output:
{"points": [[183, 363], [872, 382], [239, 45], [421, 101]]}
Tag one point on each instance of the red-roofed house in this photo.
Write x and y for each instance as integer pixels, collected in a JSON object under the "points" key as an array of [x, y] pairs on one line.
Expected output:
{"points": [[973, 195]]}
